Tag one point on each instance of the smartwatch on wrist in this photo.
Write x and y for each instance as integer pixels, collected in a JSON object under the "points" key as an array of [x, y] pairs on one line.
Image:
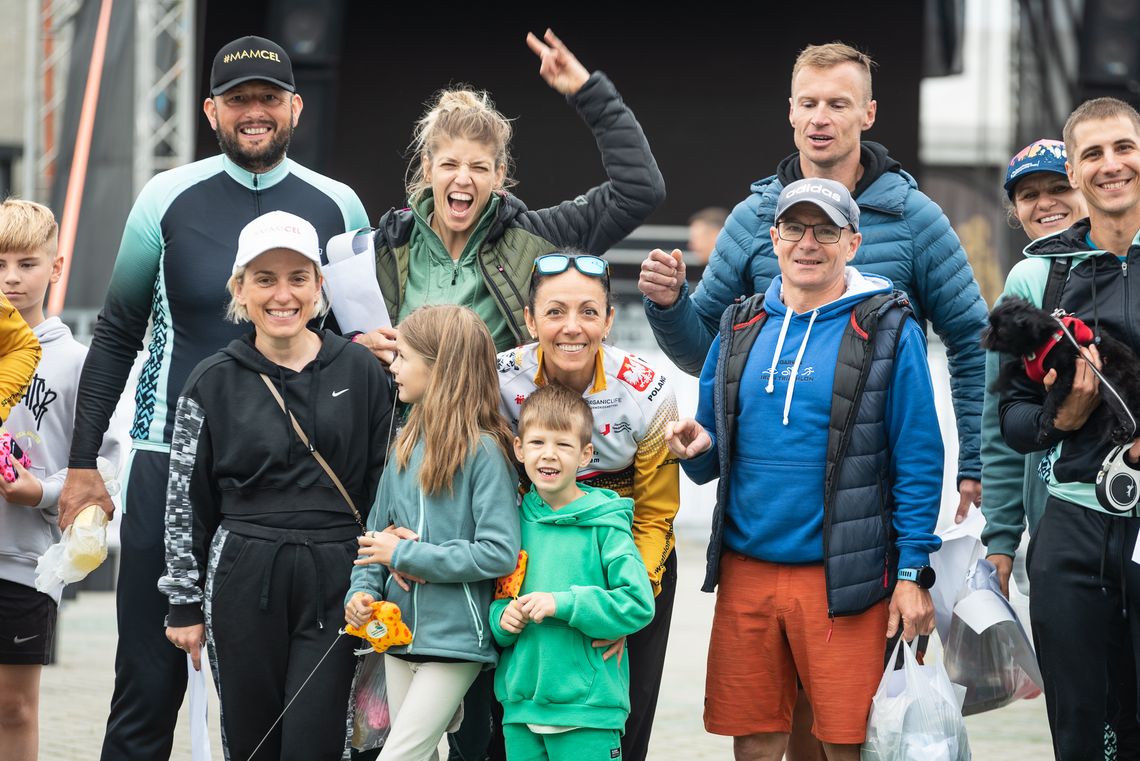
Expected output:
{"points": [[923, 576]]}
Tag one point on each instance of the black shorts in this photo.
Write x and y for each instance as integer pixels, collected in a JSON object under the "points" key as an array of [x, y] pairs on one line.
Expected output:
{"points": [[27, 625]]}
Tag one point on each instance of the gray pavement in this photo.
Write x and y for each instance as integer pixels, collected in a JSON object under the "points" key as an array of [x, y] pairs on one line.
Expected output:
{"points": [[76, 691]]}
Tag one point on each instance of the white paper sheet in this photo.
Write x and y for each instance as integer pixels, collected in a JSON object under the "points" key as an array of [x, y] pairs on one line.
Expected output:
{"points": [[350, 282], [199, 704], [982, 609]]}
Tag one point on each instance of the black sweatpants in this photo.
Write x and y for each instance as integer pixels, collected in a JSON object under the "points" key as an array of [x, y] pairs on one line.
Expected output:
{"points": [[150, 673], [1084, 604], [273, 608], [646, 653]]}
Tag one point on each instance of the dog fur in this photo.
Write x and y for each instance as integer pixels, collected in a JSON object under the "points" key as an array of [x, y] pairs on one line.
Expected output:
{"points": [[1018, 327]]}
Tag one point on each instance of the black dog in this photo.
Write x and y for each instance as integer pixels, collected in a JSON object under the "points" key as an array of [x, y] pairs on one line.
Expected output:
{"points": [[1019, 328]]}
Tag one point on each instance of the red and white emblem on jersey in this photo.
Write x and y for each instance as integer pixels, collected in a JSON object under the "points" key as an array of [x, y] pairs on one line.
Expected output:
{"points": [[635, 373]]}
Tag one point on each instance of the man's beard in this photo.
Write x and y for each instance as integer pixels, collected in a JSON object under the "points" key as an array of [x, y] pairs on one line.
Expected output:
{"points": [[265, 159]]}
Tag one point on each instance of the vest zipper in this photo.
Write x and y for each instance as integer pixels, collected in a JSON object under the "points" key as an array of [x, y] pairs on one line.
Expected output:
{"points": [[256, 195]]}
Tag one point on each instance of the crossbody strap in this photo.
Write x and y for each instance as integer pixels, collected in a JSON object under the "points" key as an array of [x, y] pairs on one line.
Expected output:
{"points": [[316, 455]]}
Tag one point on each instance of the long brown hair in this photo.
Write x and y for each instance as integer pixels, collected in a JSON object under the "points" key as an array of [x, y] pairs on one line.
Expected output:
{"points": [[461, 401]]}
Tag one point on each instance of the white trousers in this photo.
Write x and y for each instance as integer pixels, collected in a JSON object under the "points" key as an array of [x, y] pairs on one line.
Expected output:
{"points": [[424, 700]]}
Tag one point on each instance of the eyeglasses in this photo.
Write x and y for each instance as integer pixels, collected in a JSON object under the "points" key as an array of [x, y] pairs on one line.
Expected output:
{"points": [[556, 264], [824, 232]]}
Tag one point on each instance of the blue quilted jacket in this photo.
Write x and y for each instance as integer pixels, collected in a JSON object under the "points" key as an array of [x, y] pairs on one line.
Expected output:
{"points": [[906, 238]]}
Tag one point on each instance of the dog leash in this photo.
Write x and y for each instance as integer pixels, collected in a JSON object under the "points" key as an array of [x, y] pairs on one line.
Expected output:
{"points": [[280, 716], [1057, 315]]}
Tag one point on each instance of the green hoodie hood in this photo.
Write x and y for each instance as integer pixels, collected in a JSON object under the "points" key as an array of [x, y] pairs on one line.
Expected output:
{"points": [[597, 507]]}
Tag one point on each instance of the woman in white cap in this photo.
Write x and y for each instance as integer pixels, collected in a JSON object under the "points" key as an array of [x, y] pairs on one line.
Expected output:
{"points": [[260, 528]]}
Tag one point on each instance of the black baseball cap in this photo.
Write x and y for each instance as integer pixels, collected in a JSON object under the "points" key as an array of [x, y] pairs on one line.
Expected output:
{"points": [[250, 58]]}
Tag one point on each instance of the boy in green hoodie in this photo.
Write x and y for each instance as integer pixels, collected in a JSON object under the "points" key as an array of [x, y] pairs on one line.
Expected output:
{"points": [[585, 580]]}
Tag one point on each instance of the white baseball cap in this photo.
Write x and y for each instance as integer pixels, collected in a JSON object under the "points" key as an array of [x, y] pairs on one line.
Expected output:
{"points": [[277, 229]]}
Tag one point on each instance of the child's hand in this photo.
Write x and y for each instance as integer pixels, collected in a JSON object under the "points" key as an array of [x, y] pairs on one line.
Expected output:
{"points": [[25, 490], [376, 547], [537, 605], [613, 647], [513, 619], [359, 609]]}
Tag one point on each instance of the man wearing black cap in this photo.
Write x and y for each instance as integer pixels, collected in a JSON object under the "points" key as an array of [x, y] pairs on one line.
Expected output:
{"points": [[826, 443], [173, 264]]}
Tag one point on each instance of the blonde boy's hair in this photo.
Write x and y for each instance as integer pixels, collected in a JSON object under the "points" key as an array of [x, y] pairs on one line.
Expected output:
{"points": [[26, 226], [557, 408]]}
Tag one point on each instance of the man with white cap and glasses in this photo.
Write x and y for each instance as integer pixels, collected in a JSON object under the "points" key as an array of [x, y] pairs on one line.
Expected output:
{"points": [[173, 263], [820, 537]]}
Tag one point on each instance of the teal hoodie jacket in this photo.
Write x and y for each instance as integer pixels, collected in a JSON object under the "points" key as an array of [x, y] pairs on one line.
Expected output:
{"points": [[585, 555], [468, 539]]}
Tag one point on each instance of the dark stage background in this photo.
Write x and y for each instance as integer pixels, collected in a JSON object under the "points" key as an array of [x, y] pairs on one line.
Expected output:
{"points": [[709, 86]]}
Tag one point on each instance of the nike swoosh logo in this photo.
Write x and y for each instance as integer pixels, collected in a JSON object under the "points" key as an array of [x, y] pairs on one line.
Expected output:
{"points": [[338, 393], [22, 640]]}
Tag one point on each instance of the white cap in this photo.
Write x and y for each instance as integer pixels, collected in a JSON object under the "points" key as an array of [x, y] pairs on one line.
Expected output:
{"points": [[277, 229]]}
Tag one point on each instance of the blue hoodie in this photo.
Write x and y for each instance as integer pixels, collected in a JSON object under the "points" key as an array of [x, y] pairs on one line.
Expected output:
{"points": [[776, 483]]}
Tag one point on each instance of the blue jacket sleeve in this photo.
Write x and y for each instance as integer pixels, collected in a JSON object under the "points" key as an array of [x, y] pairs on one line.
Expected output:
{"points": [[916, 451], [494, 549], [742, 263], [706, 466], [948, 294]]}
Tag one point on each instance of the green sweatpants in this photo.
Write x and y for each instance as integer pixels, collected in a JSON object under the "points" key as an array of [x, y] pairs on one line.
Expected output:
{"points": [[575, 745]]}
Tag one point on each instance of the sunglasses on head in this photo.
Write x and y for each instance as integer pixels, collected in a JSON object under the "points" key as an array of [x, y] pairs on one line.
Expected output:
{"points": [[556, 264]]}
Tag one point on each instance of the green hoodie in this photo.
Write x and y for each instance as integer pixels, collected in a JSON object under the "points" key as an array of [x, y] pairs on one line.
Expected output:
{"points": [[584, 554]]}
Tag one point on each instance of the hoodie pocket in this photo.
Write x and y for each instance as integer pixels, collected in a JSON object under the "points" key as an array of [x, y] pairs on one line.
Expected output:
{"points": [[555, 666]]}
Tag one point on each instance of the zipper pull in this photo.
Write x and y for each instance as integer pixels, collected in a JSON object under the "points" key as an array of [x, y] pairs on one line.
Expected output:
{"points": [[454, 273], [1124, 267]]}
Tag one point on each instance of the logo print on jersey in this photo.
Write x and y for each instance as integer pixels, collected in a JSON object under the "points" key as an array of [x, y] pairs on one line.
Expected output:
{"points": [[635, 373], [520, 398], [621, 427], [148, 376]]}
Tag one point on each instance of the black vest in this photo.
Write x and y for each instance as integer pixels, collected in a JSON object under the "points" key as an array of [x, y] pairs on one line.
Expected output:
{"points": [[857, 534]]}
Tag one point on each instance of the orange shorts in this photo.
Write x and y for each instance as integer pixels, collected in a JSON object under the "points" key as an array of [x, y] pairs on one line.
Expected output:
{"points": [[770, 627]]}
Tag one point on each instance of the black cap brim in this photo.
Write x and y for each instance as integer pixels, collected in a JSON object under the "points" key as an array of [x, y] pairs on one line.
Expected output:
{"points": [[255, 78]]}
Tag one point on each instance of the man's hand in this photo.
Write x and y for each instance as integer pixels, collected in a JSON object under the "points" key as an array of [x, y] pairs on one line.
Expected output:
{"points": [[1084, 397], [912, 607], [190, 639], [613, 647], [381, 342], [662, 276], [969, 493], [559, 67], [513, 619], [1004, 566], [83, 487], [26, 490], [686, 438], [537, 605]]}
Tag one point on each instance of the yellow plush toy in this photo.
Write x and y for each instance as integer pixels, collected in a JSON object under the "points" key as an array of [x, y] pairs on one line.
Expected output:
{"points": [[511, 585], [385, 629]]}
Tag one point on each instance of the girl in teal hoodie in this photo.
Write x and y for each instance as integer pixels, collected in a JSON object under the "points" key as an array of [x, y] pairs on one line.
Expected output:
{"points": [[444, 527], [584, 580]]}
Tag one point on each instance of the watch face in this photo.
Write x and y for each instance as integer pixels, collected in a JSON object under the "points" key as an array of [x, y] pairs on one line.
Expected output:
{"points": [[926, 577]]}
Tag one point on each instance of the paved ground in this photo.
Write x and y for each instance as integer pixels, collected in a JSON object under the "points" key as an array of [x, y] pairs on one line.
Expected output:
{"points": [[76, 691]]}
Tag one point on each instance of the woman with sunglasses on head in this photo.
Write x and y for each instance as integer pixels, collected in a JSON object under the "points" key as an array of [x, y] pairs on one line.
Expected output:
{"points": [[466, 240], [569, 315]]}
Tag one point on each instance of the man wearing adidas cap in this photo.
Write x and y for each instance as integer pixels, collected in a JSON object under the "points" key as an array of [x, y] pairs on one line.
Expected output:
{"points": [[825, 441], [173, 263]]}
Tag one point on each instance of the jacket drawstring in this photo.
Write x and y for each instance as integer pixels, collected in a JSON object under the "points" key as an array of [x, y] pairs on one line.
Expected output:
{"points": [[796, 366], [776, 355]]}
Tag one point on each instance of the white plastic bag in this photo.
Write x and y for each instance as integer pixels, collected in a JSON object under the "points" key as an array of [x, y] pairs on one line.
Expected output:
{"points": [[953, 563], [987, 650], [371, 721], [916, 714], [82, 549]]}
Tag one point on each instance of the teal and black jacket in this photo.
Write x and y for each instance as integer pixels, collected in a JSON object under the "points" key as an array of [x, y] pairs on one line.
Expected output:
{"points": [[176, 255]]}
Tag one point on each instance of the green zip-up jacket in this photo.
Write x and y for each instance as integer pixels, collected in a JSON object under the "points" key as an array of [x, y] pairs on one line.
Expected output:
{"points": [[515, 235], [585, 556]]}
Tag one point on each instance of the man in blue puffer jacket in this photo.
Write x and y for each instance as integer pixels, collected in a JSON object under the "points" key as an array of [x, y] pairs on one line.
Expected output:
{"points": [[906, 238]]}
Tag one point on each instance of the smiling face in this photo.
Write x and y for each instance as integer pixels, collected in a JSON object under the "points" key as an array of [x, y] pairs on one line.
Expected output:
{"points": [[552, 459], [411, 371], [812, 271], [254, 122], [570, 319], [1045, 203], [462, 174], [829, 110], [1105, 165], [279, 290]]}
